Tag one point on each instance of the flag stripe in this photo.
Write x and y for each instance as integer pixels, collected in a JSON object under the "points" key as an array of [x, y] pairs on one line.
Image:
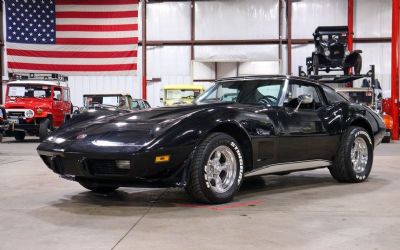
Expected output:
{"points": [[97, 41], [79, 14], [95, 2], [97, 8], [72, 61], [71, 54], [96, 21], [130, 73], [68, 48], [80, 34], [97, 28], [75, 67]]}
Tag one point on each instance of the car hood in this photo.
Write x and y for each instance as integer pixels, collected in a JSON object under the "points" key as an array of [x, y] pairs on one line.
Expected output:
{"points": [[129, 131], [28, 103]]}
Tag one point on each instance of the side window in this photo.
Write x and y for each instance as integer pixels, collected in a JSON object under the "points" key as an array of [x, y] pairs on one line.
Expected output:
{"points": [[296, 89], [269, 93], [66, 95], [146, 104], [332, 96], [57, 94]]}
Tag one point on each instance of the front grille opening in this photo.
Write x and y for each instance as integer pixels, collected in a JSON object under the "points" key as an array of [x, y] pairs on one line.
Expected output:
{"points": [[109, 167], [54, 163], [16, 113], [337, 51]]}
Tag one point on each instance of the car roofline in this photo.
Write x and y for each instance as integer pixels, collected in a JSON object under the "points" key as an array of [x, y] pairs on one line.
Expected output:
{"points": [[39, 82], [266, 77]]}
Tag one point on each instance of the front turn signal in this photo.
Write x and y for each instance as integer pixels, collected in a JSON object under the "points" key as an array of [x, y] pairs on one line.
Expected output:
{"points": [[388, 120], [162, 158]]}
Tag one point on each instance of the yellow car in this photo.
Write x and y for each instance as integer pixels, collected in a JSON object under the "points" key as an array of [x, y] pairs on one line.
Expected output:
{"points": [[180, 94]]}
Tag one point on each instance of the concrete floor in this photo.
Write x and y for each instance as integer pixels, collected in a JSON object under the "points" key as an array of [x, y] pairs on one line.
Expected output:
{"points": [[307, 210]]}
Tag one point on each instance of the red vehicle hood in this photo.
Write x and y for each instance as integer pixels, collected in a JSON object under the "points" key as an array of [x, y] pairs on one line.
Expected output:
{"points": [[27, 103]]}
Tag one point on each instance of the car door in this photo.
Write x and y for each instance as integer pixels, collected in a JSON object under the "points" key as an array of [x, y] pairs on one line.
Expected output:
{"points": [[58, 108], [304, 136], [66, 101], [264, 127]]}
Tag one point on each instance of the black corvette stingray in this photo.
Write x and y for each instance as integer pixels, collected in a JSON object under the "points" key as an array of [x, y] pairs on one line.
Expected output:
{"points": [[240, 127]]}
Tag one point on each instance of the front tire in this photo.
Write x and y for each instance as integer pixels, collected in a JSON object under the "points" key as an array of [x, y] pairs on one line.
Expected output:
{"points": [[19, 135], [216, 172], [354, 159], [96, 188], [44, 129]]}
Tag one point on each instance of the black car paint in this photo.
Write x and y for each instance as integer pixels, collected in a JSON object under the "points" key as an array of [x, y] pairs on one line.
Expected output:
{"points": [[267, 135]]}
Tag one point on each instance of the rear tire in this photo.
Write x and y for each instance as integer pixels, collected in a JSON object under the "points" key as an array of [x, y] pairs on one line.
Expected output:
{"points": [[44, 129], [19, 135], [354, 158], [216, 172], [100, 189], [357, 64]]}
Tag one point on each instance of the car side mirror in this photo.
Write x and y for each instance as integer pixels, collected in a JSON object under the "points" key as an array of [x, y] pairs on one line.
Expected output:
{"points": [[161, 99], [303, 99]]}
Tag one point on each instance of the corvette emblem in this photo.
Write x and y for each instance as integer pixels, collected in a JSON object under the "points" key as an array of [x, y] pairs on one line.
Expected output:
{"points": [[81, 136]]}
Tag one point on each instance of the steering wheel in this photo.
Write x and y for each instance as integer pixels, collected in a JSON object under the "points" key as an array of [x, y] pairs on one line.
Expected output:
{"points": [[268, 99]]}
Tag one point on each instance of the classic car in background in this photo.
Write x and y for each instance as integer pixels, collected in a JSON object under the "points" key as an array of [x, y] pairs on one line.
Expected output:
{"points": [[36, 104], [180, 94], [116, 100], [273, 125], [105, 104], [331, 51]]}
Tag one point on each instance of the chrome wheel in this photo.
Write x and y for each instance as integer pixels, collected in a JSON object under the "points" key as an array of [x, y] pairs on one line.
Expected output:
{"points": [[221, 168], [359, 155]]}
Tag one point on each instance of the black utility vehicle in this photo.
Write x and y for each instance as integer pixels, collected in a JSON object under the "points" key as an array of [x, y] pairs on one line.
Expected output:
{"points": [[268, 125], [331, 52]]}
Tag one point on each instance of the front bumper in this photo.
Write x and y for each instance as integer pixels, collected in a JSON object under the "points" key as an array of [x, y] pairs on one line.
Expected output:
{"points": [[103, 168], [31, 128]]}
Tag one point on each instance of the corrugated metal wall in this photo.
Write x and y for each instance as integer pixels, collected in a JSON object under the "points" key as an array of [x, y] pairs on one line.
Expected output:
{"points": [[241, 19]]}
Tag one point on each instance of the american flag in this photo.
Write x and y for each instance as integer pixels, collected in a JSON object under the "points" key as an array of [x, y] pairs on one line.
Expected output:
{"points": [[72, 37]]}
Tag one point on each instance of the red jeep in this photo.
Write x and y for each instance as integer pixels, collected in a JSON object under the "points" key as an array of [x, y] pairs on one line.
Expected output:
{"points": [[36, 104]]}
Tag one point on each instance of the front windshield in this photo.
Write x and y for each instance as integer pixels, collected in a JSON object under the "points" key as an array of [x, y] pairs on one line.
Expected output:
{"points": [[267, 92], [29, 91]]}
